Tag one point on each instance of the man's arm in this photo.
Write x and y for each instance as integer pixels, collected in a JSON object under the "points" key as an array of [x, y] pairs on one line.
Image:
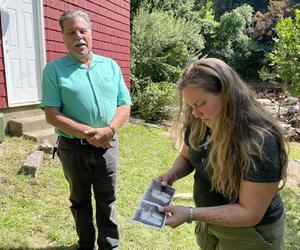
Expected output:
{"points": [[101, 137], [121, 116], [65, 124]]}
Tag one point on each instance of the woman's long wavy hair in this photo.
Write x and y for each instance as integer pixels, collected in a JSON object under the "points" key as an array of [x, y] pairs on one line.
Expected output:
{"points": [[238, 133]]}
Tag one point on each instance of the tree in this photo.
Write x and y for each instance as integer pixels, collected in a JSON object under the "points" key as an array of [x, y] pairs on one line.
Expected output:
{"points": [[263, 26], [162, 45], [221, 6], [134, 6], [285, 58], [228, 40]]}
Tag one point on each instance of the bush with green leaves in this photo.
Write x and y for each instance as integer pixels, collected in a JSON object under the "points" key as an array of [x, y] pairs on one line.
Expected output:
{"points": [[263, 27], [154, 102], [182, 8], [229, 32], [162, 45], [187, 9], [227, 40], [284, 60]]}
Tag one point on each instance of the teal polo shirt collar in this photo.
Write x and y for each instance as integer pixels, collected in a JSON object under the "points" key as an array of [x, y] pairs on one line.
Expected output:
{"points": [[72, 61]]}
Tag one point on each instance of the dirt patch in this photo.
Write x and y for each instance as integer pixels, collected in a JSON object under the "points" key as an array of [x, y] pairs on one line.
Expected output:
{"points": [[293, 178], [37, 241], [3, 148]]}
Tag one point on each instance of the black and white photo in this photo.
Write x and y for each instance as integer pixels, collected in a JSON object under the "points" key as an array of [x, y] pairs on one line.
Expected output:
{"points": [[156, 196]]}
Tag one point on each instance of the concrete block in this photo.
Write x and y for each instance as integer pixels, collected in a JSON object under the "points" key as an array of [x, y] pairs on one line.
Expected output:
{"points": [[46, 147], [19, 126], [42, 135], [32, 163]]}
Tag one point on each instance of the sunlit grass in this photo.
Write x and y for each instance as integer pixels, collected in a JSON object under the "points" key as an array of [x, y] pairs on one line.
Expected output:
{"points": [[34, 212]]}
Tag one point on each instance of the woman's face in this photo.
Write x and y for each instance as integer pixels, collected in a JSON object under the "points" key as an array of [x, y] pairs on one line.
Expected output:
{"points": [[205, 105]]}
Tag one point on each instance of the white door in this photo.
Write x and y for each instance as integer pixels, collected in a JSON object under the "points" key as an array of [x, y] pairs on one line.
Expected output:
{"points": [[22, 52]]}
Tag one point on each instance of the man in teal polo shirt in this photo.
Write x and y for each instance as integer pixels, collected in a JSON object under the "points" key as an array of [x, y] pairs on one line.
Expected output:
{"points": [[86, 100]]}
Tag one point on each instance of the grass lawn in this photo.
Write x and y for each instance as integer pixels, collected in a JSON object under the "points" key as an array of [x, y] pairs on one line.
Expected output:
{"points": [[34, 212]]}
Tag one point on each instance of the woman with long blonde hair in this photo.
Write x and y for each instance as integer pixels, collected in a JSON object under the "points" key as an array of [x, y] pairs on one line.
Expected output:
{"points": [[237, 152]]}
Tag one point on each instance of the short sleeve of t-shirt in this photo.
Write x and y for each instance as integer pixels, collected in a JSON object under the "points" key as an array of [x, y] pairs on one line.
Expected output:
{"points": [[268, 167], [123, 92], [51, 92]]}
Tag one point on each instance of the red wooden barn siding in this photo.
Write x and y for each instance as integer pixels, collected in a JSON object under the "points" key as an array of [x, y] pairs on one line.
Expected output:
{"points": [[3, 99], [110, 24]]}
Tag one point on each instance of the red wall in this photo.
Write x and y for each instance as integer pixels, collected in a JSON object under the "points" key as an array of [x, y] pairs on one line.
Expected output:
{"points": [[110, 24], [3, 99]]}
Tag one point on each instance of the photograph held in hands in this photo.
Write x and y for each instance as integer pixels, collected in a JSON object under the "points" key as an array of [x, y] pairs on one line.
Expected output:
{"points": [[156, 196]]}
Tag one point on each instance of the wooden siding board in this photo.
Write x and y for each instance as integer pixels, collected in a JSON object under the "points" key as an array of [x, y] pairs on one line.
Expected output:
{"points": [[2, 90], [2, 76], [3, 102]]}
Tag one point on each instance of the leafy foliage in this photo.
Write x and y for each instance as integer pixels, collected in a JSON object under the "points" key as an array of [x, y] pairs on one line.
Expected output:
{"points": [[228, 40], [263, 26], [182, 8], [285, 58], [154, 102], [187, 9], [168, 35], [222, 6], [162, 45]]}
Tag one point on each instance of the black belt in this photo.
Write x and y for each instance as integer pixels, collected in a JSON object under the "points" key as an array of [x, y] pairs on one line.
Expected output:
{"points": [[76, 141]]}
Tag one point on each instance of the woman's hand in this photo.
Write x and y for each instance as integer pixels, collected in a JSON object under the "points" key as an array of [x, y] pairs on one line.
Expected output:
{"points": [[180, 168], [176, 215], [167, 179]]}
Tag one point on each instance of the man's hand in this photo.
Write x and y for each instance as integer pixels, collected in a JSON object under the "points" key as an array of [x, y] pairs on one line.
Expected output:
{"points": [[99, 137]]}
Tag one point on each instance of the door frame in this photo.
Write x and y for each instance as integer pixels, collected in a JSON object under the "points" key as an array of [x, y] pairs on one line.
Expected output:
{"points": [[39, 38]]}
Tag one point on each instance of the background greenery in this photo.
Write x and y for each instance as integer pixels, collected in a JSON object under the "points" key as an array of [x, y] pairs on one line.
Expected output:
{"points": [[34, 212], [259, 39]]}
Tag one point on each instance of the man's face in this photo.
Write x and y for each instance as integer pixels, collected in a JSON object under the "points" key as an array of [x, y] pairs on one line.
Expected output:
{"points": [[78, 38]]}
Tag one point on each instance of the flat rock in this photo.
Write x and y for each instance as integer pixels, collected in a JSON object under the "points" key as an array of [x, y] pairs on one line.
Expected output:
{"points": [[32, 163]]}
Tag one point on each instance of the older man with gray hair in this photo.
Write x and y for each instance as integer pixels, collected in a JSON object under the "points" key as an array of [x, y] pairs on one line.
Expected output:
{"points": [[86, 100]]}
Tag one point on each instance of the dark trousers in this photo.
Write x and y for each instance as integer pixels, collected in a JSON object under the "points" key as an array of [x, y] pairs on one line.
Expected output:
{"points": [[86, 167]]}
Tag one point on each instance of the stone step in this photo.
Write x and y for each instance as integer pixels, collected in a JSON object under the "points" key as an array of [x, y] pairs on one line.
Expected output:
{"points": [[41, 135], [18, 127]]}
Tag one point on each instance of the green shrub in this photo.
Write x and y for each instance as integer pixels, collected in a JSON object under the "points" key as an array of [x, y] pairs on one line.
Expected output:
{"points": [[284, 61], [162, 45], [227, 40], [154, 102]]}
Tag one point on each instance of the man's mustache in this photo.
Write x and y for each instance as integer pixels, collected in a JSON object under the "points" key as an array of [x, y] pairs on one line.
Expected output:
{"points": [[80, 42]]}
